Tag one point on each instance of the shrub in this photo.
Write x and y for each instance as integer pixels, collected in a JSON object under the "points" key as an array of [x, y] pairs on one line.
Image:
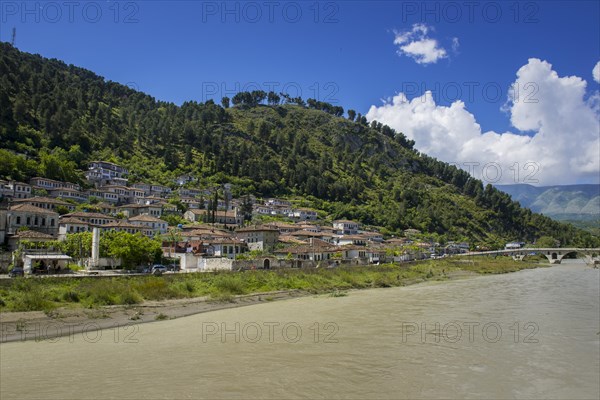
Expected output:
{"points": [[70, 296], [155, 288], [33, 300], [222, 297], [161, 317], [229, 284], [130, 297]]}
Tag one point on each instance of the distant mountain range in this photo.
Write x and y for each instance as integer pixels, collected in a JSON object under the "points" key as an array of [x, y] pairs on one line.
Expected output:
{"points": [[568, 202]]}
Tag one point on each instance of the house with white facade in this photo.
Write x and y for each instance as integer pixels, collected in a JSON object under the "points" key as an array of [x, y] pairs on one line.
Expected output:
{"points": [[47, 203], [18, 190], [67, 193], [104, 172], [226, 248], [92, 218], [122, 226], [357, 240], [150, 226], [346, 227], [133, 210], [221, 217], [31, 217], [304, 214], [50, 184], [263, 238], [71, 225], [315, 250]]}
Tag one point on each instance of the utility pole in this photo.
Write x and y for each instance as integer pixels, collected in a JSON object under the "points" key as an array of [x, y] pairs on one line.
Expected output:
{"points": [[14, 37]]}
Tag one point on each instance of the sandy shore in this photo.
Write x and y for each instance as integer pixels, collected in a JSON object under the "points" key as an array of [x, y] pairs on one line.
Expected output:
{"points": [[38, 325]]}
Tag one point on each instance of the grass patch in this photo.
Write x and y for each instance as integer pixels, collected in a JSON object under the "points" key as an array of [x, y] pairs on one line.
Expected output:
{"points": [[222, 298], [31, 301], [155, 288], [229, 284]]}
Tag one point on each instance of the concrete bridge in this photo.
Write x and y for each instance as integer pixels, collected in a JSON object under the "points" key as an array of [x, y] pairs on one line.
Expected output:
{"points": [[554, 255]]}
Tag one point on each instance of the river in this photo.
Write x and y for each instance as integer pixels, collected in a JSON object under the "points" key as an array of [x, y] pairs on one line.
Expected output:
{"points": [[529, 334]]}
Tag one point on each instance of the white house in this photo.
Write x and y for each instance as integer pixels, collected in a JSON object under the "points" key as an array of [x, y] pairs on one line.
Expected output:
{"points": [[357, 240], [262, 238], [49, 184], [346, 227], [122, 226], [46, 203], [68, 193], [514, 245], [104, 172], [18, 190], [150, 225], [32, 217], [71, 225], [227, 248], [304, 214], [91, 218], [221, 217]]}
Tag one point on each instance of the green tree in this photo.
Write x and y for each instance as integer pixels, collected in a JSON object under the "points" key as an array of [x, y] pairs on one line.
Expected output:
{"points": [[77, 245], [225, 102], [273, 99], [132, 249], [246, 209], [547, 242]]}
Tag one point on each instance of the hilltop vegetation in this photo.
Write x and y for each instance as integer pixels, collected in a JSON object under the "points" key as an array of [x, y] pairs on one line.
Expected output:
{"points": [[54, 118]]}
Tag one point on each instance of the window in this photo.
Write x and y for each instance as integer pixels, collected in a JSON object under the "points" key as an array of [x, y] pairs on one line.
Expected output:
{"points": [[18, 220], [28, 220], [51, 221]]}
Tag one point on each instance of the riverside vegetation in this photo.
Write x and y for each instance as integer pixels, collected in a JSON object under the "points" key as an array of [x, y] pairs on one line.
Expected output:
{"points": [[31, 294]]}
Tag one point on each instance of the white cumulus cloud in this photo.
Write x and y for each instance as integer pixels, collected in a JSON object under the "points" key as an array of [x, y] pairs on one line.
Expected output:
{"points": [[417, 45], [596, 72], [563, 146]]}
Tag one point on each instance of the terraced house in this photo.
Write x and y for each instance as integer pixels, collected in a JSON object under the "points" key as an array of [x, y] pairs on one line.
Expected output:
{"points": [[91, 218], [31, 217], [263, 238], [47, 203], [149, 225]]}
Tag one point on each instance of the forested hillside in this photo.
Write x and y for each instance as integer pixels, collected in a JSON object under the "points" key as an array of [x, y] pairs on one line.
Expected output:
{"points": [[56, 117]]}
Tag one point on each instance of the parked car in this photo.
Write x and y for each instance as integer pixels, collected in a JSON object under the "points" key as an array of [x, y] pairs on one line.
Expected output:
{"points": [[173, 267], [17, 271], [158, 269]]}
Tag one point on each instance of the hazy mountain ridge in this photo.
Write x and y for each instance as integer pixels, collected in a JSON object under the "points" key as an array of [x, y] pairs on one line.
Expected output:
{"points": [[562, 202]]}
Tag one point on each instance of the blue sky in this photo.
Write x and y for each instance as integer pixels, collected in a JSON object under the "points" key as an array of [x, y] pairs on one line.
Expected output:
{"points": [[338, 51]]}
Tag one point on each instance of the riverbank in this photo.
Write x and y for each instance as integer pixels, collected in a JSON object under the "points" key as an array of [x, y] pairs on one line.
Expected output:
{"points": [[35, 309]]}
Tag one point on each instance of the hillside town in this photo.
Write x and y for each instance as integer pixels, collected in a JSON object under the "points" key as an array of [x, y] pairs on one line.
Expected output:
{"points": [[211, 233]]}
